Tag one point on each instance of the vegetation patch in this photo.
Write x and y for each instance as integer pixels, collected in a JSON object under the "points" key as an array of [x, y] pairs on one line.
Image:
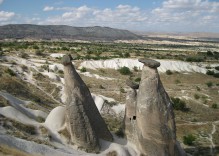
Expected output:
{"points": [[209, 84], [179, 104], [29, 129], [66, 134], [214, 106], [169, 72], [10, 72], [3, 102], [113, 123], [196, 96], [125, 71], [6, 150], [112, 153], [138, 79], [189, 139], [83, 69]]}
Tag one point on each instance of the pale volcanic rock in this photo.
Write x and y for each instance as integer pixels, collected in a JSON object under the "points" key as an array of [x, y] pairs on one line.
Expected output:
{"points": [[83, 119], [130, 116], [151, 123]]}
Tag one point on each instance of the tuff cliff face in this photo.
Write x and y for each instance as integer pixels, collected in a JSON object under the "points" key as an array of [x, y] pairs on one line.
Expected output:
{"points": [[130, 112], [152, 125], [83, 119]]}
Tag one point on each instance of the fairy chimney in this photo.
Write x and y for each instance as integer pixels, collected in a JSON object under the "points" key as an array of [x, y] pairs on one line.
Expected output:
{"points": [[83, 119], [130, 111], [155, 131]]}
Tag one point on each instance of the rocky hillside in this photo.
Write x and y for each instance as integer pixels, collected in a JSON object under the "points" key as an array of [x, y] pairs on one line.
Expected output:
{"points": [[49, 32]]}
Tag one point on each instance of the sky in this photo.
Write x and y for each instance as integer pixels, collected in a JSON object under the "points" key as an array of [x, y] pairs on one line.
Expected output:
{"points": [[137, 15]]}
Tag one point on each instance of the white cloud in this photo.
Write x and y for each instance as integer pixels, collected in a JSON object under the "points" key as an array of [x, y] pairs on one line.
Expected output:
{"points": [[1, 1], [123, 16], [187, 14], [48, 8], [5, 16], [51, 8], [171, 15]]}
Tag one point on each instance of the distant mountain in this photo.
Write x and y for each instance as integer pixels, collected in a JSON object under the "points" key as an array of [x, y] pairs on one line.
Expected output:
{"points": [[50, 32]]}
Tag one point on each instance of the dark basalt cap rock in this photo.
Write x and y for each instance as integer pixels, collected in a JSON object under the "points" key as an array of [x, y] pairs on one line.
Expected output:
{"points": [[66, 59], [132, 84], [150, 63]]}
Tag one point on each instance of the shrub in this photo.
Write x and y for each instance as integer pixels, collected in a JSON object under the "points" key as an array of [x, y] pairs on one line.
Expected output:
{"points": [[178, 104], [196, 96], [125, 71], [209, 72], [120, 133], [208, 67], [113, 123], [216, 75], [23, 127], [24, 55], [24, 68], [209, 84], [35, 47], [214, 105], [110, 103], [126, 55], [177, 81], [40, 119], [60, 71], [112, 153], [10, 72], [1, 53], [189, 139], [122, 90], [209, 53], [138, 79], [37, 99], [39, 53], [194, 59], [198, 88], [45, 67], [217, 68], [83, 69], [169, 72]]}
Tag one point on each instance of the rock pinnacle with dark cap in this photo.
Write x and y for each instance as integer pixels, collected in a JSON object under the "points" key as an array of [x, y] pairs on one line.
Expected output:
{"points": [[149, 118], [83, 119], [150, 63]]}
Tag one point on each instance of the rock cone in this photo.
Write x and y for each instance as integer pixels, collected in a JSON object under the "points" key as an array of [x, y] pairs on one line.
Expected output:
{"points": [[83, 119], [155, 131]]}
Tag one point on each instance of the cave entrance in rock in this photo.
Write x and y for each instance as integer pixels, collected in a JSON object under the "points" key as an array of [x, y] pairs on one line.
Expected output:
{"points": [[134, 117]]}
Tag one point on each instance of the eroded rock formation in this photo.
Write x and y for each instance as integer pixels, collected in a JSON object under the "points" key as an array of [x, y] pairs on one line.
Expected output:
{"points": [[83, 119], [149, 120]]}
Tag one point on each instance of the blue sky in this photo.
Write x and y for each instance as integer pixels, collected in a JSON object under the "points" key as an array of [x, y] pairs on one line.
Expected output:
{"points": [[141, 15]]}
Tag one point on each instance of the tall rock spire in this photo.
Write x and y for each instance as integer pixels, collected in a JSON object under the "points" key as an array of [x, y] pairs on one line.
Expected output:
{"points": [[83, 119], [155, 133]]}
